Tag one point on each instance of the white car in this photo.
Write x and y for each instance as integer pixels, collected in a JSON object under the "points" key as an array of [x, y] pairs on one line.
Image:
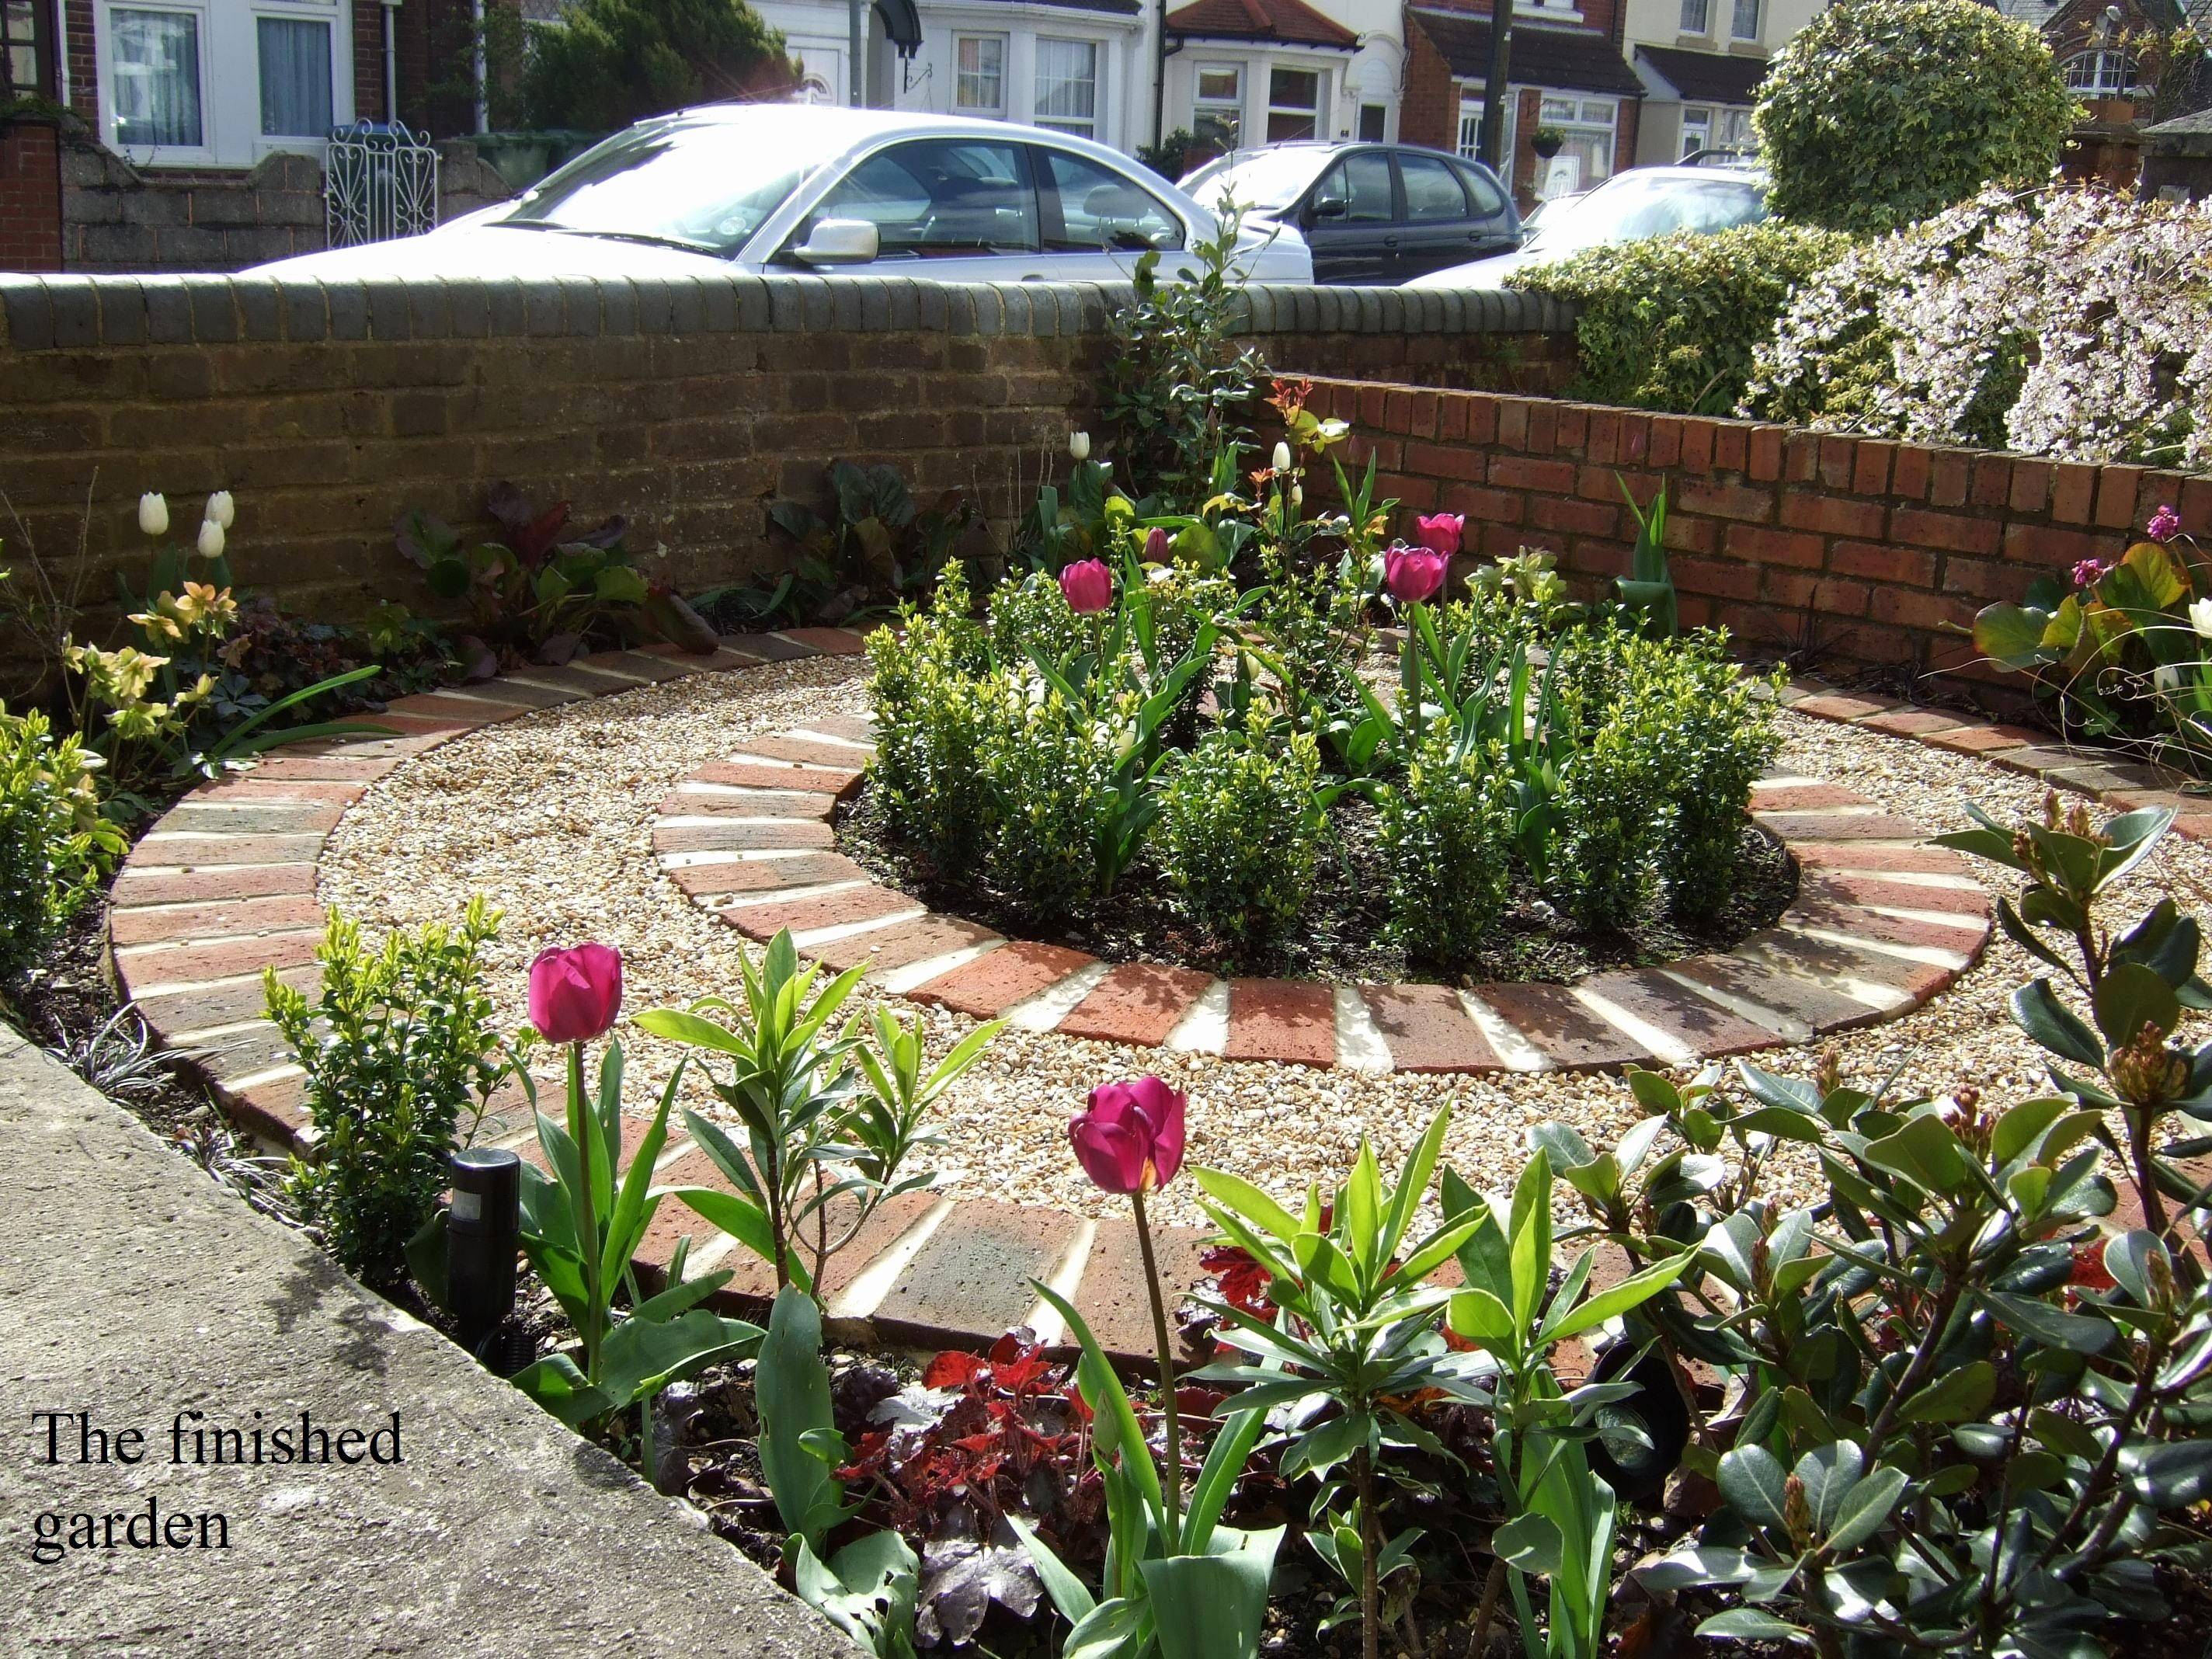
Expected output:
{"points": [[1625, 208], [796, 187]]}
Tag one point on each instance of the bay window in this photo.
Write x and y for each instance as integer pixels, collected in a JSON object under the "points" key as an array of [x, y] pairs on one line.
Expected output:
{"points": [[1586, 127]]}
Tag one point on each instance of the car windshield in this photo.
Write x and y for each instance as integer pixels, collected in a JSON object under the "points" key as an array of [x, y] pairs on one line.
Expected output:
{"points": [[1628, 208], [704, 184], [1269, 181]]}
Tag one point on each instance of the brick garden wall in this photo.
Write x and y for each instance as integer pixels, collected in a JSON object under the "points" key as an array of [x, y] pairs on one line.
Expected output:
{"points": [[688, 406], [1880, 551]]}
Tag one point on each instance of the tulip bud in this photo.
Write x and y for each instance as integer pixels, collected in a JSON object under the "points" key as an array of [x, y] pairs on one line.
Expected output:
{"points": [[575, 994], [152, 514], [210, 541], [1088, 585], [1078, 444], [221, 510], [1159, 546], [1413, 574], [1440, 532], [1282, 457], [1130, 1140], [1297, 494]]}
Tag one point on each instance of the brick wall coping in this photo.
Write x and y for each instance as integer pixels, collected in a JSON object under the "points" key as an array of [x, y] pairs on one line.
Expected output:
{"points": [[68, 312], [224, 885], [749, 839]]}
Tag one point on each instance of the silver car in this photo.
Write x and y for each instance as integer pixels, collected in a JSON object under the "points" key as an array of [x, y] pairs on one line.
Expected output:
{"points": [[1625, 208], [794, 187]]}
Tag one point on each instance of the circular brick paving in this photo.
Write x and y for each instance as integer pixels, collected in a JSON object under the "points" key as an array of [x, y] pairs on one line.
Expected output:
{"points": [[224, 886], [1882, 923]]}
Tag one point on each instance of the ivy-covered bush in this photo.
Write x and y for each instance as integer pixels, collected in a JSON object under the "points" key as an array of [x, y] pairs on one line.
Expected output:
{"points": [[397, 1044], [1879, 112], [1673, 322], [54, 845], [1447, 836], [1240, 831], [2072, 321]]}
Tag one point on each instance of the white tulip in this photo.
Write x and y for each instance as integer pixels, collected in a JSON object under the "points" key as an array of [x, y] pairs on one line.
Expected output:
{"points": [[221, 510], [210, 541], [1282, 457], [1297, 494], [1078, 444], [2200, 618], [2167, 677], [152, 514]]}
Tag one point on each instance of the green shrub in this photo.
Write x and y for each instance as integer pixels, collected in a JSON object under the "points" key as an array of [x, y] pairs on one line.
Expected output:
{"points": [[933, 717], [609, 63], [397, 1046], [1881, 112], [1049, 772], [1030, 613], [1718, 735], [1672, 322], [1240, 831], [1447, 834], [54, 846]]}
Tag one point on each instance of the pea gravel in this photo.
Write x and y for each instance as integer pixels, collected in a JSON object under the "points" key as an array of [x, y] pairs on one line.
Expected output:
{"points": [[550, 815]]}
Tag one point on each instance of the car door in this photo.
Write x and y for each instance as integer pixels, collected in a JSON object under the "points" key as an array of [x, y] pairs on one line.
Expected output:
{"points": [[1350, 219], [1097, 221], [1441, 227], [952, 209]]}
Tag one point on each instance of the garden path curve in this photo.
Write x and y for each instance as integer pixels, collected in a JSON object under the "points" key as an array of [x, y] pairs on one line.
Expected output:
{"points": [[224, 886]]}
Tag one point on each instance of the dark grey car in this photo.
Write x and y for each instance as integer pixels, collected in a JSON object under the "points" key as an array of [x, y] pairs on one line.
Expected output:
{"points": [[1371, 213]]}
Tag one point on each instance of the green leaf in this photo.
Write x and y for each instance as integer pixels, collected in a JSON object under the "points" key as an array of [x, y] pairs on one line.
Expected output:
{"points": [[2169, 1476], [1631, 1292], [1247, 1200], [2131, 996], [1213, 1605], [1752, 1482], [1074, 1602], [1750, 1625], [2037, 1011], [556, 1383], [2053, 1327], [2012, 634], [1866, 1506], [2128, 1257], [792, 1387], [1953, 1397], [643, 1356], [1529, 1543]]}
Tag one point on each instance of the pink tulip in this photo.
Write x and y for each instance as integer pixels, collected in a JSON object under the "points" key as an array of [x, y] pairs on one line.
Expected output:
{"points": [[1413, 574], [1088, 585], [1130, 1140], [1158, 545], [574, 995], [2165, 524], [1440, 532]]}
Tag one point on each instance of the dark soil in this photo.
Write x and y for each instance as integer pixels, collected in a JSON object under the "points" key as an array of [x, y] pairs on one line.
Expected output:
{"points": [[1343, 934]]}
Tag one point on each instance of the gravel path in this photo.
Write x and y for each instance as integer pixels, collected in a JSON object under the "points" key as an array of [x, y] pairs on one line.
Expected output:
{"points": [[550, 815]]}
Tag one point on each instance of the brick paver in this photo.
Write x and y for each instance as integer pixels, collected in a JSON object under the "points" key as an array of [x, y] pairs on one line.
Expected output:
{"points": [[1138, 1003], [1281, 1019], [1427, 1029], [999, 979]]}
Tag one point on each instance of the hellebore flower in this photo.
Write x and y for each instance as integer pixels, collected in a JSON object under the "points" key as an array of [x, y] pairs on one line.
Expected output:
{"points": [[2165, 524], [1413, 574], [1159, 546], [210, 541], [1441, 532], [574, 995], [1078, 444], [221, 510], [154, 513], [1089, 586], [1130, 1140], [2200, 618]]}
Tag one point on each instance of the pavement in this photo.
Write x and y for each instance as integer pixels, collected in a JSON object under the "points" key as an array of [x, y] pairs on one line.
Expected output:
{"points": [[133, 1291]]}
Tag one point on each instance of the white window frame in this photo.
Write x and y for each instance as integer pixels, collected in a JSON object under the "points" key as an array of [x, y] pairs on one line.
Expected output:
{"points": [[980, 38], [2103, 61], [1201, 105], [1704, 27], [1735, 18], [1319, 110], [230, 79], [1572, 113], [1699, 118], [1471, 102], [1098, 104]]}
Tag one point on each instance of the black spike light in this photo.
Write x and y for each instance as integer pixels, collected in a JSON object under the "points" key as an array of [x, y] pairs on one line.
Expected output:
{"points": [[483, 1234]]}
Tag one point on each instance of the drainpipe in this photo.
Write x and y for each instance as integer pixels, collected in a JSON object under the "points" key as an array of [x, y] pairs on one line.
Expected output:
{"points": [[61, 53], [484, 82], [856, 13], [1160, 77], [391, 65]]}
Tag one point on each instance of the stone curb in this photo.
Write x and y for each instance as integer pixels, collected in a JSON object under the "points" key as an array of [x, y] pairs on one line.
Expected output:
{"points": [[213, 894]]}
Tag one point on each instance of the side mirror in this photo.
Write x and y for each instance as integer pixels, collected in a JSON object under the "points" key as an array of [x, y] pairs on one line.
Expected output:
{"points": [[1331, 207], [838, 242]]}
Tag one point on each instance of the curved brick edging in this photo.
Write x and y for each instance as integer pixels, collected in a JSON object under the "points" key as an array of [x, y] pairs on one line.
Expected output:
{"points": [[225, 885], [1882, 923]]}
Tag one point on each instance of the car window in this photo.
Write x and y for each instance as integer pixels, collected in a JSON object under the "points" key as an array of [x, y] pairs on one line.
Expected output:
{"points": [[1489, 201], [1432, 189], [1363, 179], [1626, 208], [709, 184], [1099, 208], [940, 197]]}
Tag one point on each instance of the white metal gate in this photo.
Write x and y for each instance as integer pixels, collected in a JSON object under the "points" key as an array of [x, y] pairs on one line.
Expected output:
{"points": [[378, 182]]}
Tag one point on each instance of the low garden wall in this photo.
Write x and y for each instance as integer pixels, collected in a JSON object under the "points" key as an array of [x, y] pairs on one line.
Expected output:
{"points": [[688, 405], [1876, 552]]}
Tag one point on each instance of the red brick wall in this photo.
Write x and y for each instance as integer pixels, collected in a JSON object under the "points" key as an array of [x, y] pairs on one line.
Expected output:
{"points": [[369, 61], [83, 62], [30, 197], [1883, 551]]}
